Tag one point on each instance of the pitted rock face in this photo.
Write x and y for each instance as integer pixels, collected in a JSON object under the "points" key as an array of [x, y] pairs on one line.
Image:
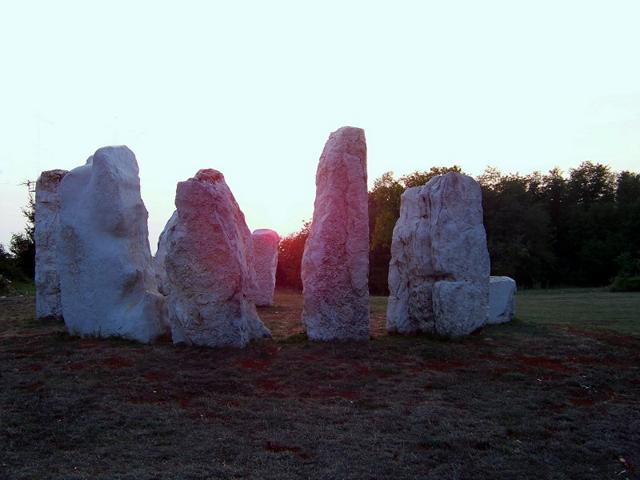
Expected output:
{"points": [[205, 267], [335, 263], [209, 175], [47, 210], [265, 262], [106, 275], [502, 305], [439, 269]]}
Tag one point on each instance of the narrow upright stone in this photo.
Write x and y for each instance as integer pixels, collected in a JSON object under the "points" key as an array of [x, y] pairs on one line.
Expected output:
{"points": [[205, 267], [502, 305], [47, 211], [335, 262], [439, 269], [265, 262], [106, 273]]}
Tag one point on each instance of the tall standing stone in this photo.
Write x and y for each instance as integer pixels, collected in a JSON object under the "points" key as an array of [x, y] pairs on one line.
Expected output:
{"points": [[265, 255], [104, 261], [47, 210], [335, 263], [439, 269], [205, 266]]}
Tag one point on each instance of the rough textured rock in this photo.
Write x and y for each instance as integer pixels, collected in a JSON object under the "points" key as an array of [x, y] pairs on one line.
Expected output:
{"points": [[439, 269], [335, 263], [106, 273], [48, 304], [204, 266], [459, 308], [502, 305], [265, 262]]}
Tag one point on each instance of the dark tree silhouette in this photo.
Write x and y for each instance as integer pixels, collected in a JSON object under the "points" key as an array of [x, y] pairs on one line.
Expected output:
{"points": [[19, 262], [290, 253]]}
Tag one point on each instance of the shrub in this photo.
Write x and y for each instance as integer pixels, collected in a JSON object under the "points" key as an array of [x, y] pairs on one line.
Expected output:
{"points": [[5, 284], [626, 284]]}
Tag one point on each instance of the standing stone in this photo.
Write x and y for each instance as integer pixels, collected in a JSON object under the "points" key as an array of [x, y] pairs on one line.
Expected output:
{"points": [[265, 254], [104, 262], [205, 267], [502, 306], [48, 304], [439, 269], [335, 263]]}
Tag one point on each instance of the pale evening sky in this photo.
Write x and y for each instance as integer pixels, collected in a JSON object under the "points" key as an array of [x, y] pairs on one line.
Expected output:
{"points": [[253, 88]]}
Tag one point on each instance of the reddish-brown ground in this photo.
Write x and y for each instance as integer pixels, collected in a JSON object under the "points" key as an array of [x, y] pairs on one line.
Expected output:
{"points": [[515, 401]]}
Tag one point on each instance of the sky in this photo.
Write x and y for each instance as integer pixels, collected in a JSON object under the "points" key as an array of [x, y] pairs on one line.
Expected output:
{"points": [[253, 89]]}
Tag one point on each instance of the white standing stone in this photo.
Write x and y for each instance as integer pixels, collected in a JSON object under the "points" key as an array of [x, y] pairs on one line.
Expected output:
{"points": [[265, 262], [502, 305], [439, 269], [106, 273], [205, 266], [335, 263], [47, 210]]}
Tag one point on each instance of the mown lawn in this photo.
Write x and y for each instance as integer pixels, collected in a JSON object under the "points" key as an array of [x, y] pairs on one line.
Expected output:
{"points": [[582, 308], [554, 394]]}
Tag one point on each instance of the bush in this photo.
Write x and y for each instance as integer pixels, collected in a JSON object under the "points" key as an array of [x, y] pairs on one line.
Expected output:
{"points": [[626, 284], [290, 251], [5, 285]]}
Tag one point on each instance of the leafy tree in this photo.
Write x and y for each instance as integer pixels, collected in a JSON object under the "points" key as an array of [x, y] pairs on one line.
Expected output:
{"points": [[517, 226], [627, 188], [628, 204], [590, 241], [384, 209], [590, 183], [22, 245], [6, 263], [290, 250], [553, 194], [23, 251], [418, 178]]}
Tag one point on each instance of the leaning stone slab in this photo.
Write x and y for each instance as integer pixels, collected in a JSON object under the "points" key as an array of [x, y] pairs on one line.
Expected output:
{"points": [[502, 305], [439, 269], [205, 267], [47, 210], [265, 262], [335, 262], [107, 280]]}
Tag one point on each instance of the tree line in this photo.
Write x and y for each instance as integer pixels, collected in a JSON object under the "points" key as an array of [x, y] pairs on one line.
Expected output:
{"points": [[543, 230], [17, 263]]}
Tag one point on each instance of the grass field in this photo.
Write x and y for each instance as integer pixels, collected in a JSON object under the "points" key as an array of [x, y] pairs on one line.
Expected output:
{"points": [[582, 308], [554, 394]]}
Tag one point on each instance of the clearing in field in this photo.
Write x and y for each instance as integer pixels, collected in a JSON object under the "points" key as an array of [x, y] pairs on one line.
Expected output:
{"points": [[555, 394]]}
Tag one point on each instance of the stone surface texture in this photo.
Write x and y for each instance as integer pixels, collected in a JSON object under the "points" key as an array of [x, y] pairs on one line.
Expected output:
{"points": [[265, 262], [204, 265], [439, 269], [106, 272], [47, 210], [502, 305], [335, 262]]}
